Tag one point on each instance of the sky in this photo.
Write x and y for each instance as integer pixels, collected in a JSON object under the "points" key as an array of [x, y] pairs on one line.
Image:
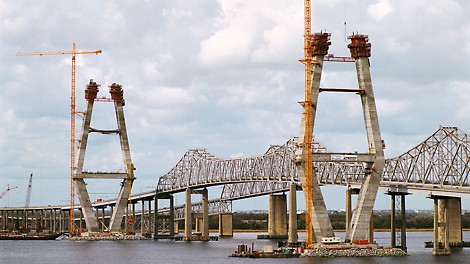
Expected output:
{"points": [[218, 74]]}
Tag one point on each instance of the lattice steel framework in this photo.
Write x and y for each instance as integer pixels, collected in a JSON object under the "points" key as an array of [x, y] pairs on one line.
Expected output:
{"points": [[438, 163], [441, 161]]}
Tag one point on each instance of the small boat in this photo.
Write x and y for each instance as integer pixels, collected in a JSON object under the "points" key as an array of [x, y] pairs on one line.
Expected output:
{"points": [[26, 236]]}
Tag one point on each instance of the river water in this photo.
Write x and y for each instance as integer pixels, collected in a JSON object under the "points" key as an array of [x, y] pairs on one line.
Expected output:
{"points": [[167, 252]]}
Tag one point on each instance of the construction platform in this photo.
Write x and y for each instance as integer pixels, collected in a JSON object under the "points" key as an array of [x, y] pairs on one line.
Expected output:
{"points": [[197, 238]]}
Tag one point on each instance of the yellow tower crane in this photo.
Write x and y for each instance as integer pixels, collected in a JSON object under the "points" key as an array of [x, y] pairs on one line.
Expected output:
{"points": [[308, 129], [73, 112]]}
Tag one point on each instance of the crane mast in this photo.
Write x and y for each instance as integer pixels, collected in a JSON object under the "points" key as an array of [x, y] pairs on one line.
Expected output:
{"points": [[308, 128], [28, 194], [73, 112]]}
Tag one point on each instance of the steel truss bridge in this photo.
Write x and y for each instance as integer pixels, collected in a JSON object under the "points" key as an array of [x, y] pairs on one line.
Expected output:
{"points": [[439, 163]]}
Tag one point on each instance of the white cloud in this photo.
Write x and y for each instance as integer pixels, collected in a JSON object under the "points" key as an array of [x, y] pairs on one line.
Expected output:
{"points": [[380, 10], [221, 75], [443, 7], [398, 47], [389, 108]]}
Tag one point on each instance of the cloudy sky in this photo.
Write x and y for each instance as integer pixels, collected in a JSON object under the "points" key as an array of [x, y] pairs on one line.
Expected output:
{"points": [[217, 74]]}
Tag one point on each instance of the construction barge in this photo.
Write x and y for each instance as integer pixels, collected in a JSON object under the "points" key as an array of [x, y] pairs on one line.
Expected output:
{"points": [[267, 252], [29, 236], [321, 250]]}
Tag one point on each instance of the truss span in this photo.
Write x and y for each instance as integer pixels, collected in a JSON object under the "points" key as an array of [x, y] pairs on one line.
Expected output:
{"points": [[440, 162], [198, 168]]}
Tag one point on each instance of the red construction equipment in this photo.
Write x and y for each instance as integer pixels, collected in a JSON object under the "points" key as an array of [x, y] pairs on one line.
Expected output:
{"points": [[7, 190]]}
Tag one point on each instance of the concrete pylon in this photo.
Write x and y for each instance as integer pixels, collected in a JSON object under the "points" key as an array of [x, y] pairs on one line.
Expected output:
{"points": [[127, 177], [320, 221], [360, 222]]}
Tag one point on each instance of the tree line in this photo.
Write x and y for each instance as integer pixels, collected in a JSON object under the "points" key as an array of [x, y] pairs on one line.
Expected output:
{"points": [[382, 220]]}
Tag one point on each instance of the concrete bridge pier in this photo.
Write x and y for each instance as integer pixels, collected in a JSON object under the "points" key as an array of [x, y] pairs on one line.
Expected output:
{"points": [[447, 223], [225, 225], [277, 215], [168, 232], [203, 221], [188, 214], [293, 234]]}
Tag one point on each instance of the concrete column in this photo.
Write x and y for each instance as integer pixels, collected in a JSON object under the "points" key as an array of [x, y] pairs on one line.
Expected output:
{"points": [[54, 221], [126, 219], [198, 224], [403, 223], [103, 214], [441, 228], [17, 220], [25, 220], [172, 217], [277, 215], [61, 229], [188, 216], [371, 228], [155, 217], [348, 209], [271, 215], [349, 193], [149, 222], [293, 235], [205, 213], [134, 220], [175, 227], [393, 238], [142, 218], [455, 220], [225, 225]]}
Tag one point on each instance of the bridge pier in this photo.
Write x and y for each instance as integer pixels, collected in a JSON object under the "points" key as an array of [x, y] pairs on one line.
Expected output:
{"points": [[225, 225], [277, 215], [170, 233], [447, 223], [293, 235], [202, 221]]}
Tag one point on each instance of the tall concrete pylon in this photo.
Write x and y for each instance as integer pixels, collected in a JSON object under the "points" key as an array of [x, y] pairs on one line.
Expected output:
{"points": [[127, 177], [374, 160], [320, 221]]}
